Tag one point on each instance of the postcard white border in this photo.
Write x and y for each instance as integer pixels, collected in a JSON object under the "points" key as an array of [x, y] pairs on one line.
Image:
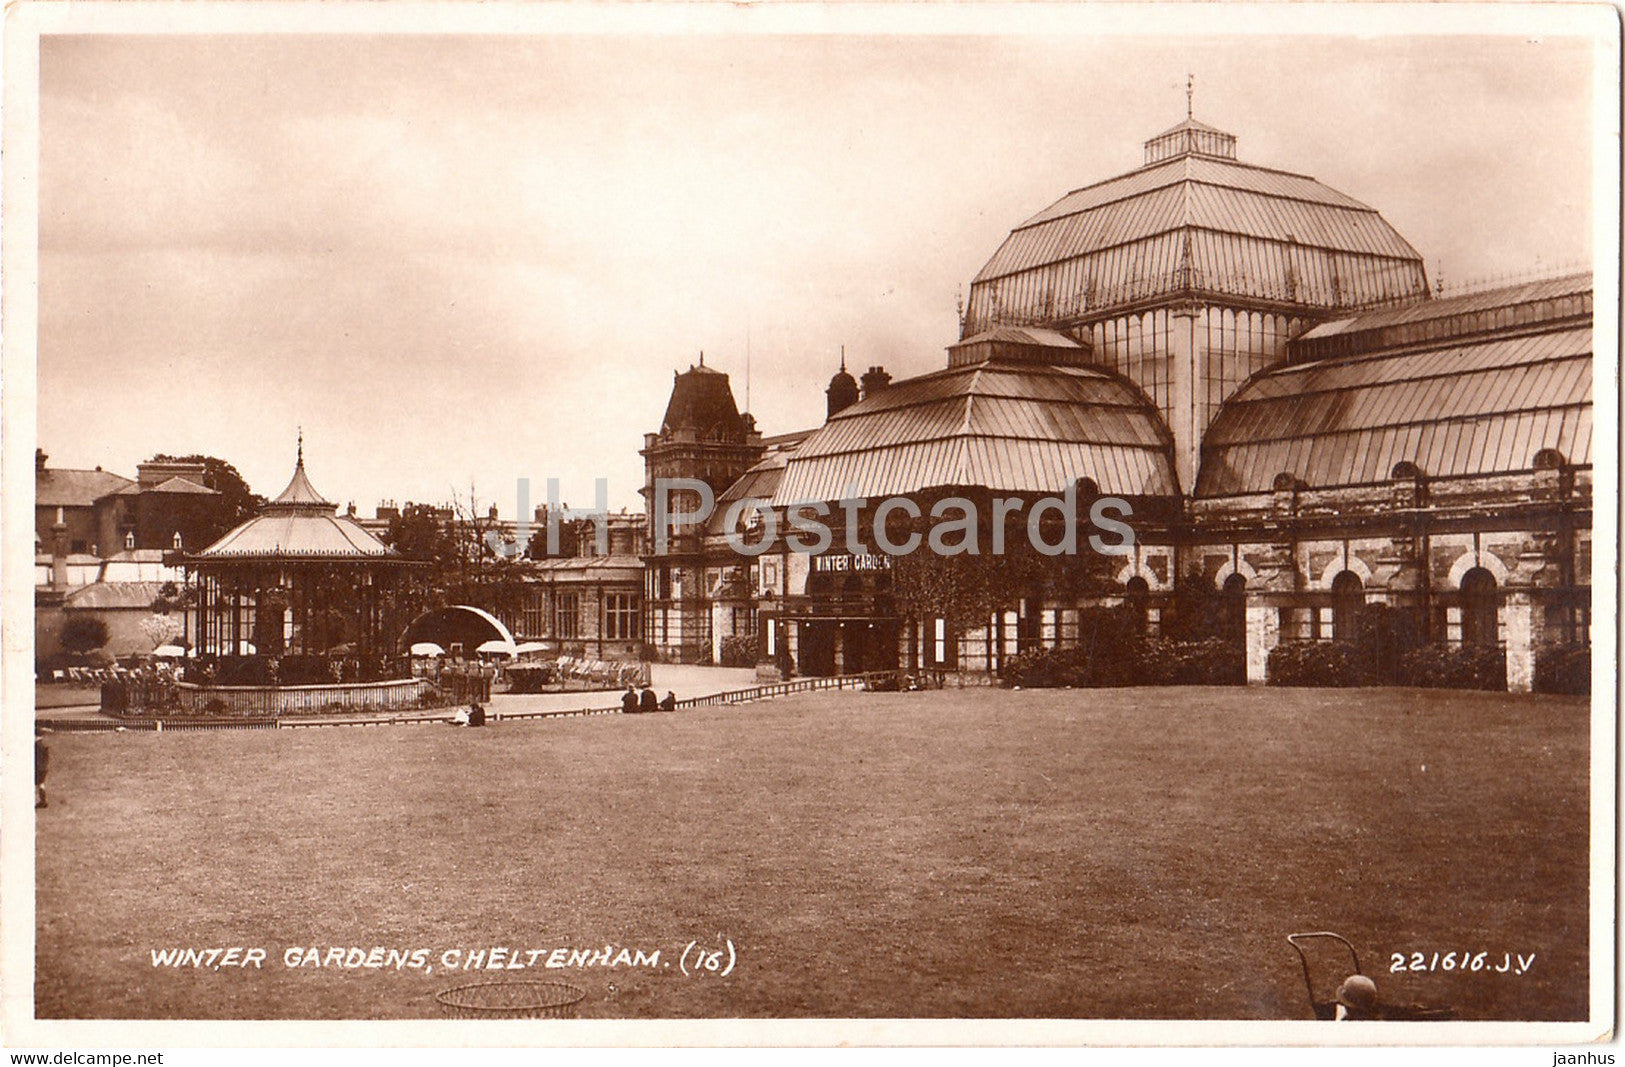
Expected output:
{"points": [[26, 22]]}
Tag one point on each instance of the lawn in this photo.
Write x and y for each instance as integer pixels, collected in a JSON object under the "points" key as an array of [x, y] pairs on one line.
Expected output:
{"points": [[1091, 854]]}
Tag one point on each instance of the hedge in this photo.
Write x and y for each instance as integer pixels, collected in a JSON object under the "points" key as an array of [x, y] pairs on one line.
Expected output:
{"points": [[1563, 669], [1454, 667], [1319, 663], [1111, 652], [739, 650]]}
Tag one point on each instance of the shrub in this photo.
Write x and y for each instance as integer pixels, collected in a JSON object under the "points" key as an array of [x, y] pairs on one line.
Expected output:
{"points": [[83, 633], [1319, 663], [1111, 651], [1439, 666], [1563, 669], [1385, 636], [1210, 661], [739, 651], [1047, 667]]}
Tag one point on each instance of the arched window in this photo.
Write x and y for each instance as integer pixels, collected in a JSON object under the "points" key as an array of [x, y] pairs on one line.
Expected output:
{"points": [[1348, 599], [1479, 624], [1235, 607], [1137, 595]]}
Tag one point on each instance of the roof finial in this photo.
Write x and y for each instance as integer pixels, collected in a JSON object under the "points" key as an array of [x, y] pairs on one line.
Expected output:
{"points": [[301, 461], [843, 359], [702, 357], [1190, 92]]}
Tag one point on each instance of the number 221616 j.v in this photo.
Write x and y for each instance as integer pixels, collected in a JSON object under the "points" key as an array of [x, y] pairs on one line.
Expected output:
{"points": [[1472, 962]]}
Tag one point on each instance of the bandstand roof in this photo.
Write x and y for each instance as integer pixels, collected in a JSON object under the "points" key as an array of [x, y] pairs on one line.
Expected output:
{"points": [[299, 524]]}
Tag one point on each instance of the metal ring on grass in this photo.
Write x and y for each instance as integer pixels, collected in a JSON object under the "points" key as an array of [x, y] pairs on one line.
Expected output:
{"points": [[512, 1000]]}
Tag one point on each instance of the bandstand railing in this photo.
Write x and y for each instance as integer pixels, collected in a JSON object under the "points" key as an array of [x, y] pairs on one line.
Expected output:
{"points": [[253, 702], [187, 699]]}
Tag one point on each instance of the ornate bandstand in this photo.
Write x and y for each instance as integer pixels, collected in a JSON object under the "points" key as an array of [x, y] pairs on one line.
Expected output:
{"points": [[299, 609]]}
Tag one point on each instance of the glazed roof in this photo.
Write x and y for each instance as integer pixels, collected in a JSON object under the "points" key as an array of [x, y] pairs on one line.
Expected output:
{"points": [[299, 524], [1194, 220], [587, 568], [761, 481], [107, 596], [1501, 310], [1005, 426], [1477, 404]]}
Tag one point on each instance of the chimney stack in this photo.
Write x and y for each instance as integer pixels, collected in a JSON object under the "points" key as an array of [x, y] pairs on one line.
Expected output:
{"points": [[59, 553], [874, 380]]}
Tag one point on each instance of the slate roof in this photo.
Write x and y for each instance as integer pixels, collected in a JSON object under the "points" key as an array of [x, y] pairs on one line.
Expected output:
{"points": [[702, 402], [57, 487]]}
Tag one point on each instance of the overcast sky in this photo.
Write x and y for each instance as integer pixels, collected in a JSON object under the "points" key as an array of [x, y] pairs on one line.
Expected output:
{"points": [[457, 260]]}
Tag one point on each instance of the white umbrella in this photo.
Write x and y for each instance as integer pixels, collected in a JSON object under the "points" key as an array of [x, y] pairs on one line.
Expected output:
{"points": [[427, 648], [169, 651], [495, 645], [528, 647]]}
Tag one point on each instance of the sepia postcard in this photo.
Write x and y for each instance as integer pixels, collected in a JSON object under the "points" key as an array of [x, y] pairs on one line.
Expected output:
{"points": [[732, 525]]}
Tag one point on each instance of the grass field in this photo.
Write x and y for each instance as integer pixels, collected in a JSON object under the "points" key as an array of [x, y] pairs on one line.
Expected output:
{"points": [[1100, 854]]}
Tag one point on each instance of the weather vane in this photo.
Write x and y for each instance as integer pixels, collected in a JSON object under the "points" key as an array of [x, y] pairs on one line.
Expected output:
{"points": [[1190, 91]]}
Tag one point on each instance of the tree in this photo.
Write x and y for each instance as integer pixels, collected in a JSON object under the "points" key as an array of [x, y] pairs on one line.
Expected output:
{"points": [[84, 633], [418, 533], [238, 503], [159, 629], [966, 589], [464, 569]]}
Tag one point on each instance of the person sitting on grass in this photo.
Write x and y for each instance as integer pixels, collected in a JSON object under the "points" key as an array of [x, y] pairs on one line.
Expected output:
{"points": [[629, 701], [647, 701], [460, 717], [669, 701], [476, 714]]}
